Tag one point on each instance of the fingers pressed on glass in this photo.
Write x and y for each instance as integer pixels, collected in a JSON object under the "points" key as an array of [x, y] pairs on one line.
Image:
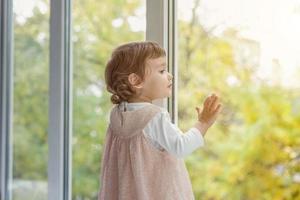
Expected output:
{"points": [[218, 108], [206, 102], [213, 104], [210, 101]]}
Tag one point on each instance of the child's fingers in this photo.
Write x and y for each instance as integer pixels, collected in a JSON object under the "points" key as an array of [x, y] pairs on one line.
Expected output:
{"points": [[206, 102], [214, 103], [209, 101], [218, 108]]}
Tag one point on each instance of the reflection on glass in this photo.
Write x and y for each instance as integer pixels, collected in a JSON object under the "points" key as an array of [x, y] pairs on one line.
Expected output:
{"points": [[246, 52], [30, 106], [98, 27]]}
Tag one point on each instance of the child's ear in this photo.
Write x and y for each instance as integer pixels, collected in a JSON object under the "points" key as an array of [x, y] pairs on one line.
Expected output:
{"points": [[135, 80]]}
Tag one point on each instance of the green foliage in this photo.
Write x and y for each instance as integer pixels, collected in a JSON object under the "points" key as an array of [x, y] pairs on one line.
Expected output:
{"points": [[30, 117], [253, 150]]}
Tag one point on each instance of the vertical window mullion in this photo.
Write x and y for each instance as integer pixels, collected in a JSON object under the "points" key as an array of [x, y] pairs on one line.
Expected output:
{"points": [[157, 29], [60, 106], [172, 58], [6, 98], [161, 27]]}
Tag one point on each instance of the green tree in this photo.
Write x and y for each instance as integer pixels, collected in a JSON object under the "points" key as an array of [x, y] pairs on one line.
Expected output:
{"points": [[253, 150]]}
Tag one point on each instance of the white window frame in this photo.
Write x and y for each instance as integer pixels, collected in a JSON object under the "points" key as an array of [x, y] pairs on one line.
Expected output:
{"points": [[6, 99], [161, 20], [60, 102]]}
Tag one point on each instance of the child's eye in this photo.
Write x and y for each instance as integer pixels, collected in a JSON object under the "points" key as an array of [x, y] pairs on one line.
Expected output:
{"points": [[162, 71]]}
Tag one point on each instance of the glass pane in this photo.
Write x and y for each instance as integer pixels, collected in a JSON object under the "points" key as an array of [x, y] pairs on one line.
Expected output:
{"points": [[98, 27], [248, 53], [30, 106]]}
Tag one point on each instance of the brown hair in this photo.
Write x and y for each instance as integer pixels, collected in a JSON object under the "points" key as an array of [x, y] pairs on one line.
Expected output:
{"points": [[126, 59]]}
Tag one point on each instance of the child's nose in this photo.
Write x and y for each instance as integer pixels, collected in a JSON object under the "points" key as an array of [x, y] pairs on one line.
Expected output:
{"points": [[170, 76]]}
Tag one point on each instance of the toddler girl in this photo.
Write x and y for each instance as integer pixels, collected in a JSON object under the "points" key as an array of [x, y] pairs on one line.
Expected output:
{"points": [[143, 153]]}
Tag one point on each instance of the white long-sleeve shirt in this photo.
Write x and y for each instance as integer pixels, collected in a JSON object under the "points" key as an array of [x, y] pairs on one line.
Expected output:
{"points": [[163, 134]]}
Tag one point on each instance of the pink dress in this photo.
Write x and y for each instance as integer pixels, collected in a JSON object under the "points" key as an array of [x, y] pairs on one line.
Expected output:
{"points": [[132, 168]]}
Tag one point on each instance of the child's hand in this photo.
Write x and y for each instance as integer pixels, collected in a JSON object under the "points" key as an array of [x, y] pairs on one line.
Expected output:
{"points": [[207, 116]]}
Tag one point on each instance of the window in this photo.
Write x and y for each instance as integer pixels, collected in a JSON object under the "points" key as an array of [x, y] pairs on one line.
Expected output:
{"points": [[98, 27], [46, 67], [30, 100], [246, 52]]}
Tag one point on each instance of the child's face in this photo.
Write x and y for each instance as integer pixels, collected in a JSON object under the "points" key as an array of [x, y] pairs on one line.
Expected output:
{"points": [[158, 81]]}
